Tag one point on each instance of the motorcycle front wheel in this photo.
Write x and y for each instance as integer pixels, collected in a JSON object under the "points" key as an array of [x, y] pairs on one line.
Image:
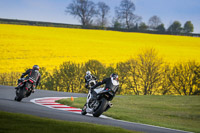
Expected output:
{"points": [[102, 106], [19, 94], [83, 112]]}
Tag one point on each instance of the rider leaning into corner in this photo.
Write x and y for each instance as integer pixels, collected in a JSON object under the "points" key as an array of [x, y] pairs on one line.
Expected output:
{"points": [[110, 83], [34, 75]]}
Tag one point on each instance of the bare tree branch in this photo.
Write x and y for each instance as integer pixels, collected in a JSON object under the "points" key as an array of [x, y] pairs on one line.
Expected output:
{"points": [[83, 9]]}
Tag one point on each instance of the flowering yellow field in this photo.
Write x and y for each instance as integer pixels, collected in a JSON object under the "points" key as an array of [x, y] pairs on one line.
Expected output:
{"points": [[24, 46]]}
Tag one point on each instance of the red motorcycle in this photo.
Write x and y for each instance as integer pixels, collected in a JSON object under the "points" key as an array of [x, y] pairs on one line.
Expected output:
{"points": [[25, 88]]}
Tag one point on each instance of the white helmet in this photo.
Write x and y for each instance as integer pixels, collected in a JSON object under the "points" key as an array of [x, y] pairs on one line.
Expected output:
{"points": [[114, 79], [88, 73]]}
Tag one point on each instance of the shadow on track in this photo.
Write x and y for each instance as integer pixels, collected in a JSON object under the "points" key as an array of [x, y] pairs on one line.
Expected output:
{"points": [[4, 99]]}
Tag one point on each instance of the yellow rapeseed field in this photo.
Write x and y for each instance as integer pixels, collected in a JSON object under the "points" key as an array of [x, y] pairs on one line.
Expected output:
{"points": [[24, 46]]}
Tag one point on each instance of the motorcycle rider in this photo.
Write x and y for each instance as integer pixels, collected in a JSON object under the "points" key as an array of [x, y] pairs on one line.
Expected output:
{"points": [[88, 78], [110, 83], [34, 75]]}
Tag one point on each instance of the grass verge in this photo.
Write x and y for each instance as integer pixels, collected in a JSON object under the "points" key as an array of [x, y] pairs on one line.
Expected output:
{"points": [[177, 112], [19, 123]]}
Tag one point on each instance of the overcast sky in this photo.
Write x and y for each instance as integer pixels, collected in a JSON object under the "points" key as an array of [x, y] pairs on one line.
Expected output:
{"points": [[53, 10]]}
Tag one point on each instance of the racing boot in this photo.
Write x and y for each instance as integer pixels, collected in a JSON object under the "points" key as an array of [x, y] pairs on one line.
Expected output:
{"points": [[33, 90], [110, 104]]}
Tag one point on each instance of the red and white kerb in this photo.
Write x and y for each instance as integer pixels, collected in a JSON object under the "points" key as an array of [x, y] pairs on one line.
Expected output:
{"points": [[50, 103]]}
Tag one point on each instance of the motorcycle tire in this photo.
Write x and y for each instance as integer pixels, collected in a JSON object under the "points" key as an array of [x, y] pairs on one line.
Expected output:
{"points": [[83, 112], [101, 108], [28, 94], [20, 95]]}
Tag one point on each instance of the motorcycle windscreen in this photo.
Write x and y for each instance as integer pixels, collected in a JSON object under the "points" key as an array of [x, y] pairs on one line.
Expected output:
{"points": [[98, 90]]}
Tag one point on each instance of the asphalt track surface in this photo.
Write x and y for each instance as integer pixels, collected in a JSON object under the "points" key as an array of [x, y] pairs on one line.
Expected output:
{"points": [[7, 103]]}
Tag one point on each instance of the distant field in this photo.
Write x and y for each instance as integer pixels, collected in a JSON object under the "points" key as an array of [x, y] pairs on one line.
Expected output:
{"points": [[24, 46]]}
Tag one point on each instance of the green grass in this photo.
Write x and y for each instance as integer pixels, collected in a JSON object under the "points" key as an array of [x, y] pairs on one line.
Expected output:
{"points": [[20, 123], [177, 112]]}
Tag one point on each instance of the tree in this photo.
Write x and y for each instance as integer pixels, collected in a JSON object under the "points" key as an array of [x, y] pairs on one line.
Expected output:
{"points": [[197, 79], [125, 13], [13, 77], [188, 27], [96, 68], [149, 71], [109, 71], [133, 80], [56, 79], [175, 28], [102, 12], [44, 75], [166, 86], [122, 69], [161, 28], [184, 78], [68, 77], [80, 79], [116, 24], [83, 9], [135, 28], [52, 81], [3, 78], [154, 22], [143, 26]]}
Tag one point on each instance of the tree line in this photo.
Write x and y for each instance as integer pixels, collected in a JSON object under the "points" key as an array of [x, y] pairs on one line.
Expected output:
{"points": [[96, 16], [91, 14], [146, 74]]}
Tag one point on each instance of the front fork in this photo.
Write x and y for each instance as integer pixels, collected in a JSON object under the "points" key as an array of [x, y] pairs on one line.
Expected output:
{"points": [[86, 107]]}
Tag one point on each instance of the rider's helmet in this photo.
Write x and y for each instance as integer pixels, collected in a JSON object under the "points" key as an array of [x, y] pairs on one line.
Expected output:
{"points": [[36, 67], [88, 73], [114, 76]]}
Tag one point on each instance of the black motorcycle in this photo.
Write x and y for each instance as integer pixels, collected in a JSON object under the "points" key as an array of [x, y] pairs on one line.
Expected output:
{"points": [[25, 88], [102, 103]]}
